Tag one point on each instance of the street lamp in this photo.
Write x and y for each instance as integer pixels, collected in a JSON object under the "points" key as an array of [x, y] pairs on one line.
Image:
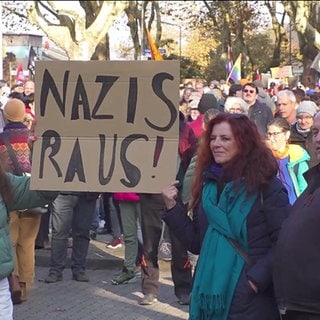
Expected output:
{"points": [[180, 34]]}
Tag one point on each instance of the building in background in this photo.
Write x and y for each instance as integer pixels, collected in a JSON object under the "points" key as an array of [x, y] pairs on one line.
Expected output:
{"points": [[20, 51]]}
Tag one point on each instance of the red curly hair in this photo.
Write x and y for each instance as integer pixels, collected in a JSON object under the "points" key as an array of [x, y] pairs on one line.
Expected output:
{"points": [[255, 163]]}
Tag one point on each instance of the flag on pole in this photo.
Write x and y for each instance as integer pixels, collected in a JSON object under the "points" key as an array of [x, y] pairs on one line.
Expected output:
{"points": [[31, 60], [235, 73], [229, 63], [155, 54], [19, 75]]}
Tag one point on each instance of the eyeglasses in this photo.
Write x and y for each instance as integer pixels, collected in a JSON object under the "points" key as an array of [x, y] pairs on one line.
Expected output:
{"points": [[304, 117], [273, 134], [236, 110], [250, 91]]}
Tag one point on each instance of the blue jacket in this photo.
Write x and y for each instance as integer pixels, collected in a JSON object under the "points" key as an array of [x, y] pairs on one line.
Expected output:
{"points": [[263, 225], [22, 198], [297, 166]]}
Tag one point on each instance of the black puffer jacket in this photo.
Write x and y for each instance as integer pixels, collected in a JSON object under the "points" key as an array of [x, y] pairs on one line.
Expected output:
{"points": [[263, 226], [305, 141], [297, 264]]}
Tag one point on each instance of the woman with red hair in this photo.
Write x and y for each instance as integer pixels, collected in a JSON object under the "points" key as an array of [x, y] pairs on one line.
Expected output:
{"points": [[237, 206]]}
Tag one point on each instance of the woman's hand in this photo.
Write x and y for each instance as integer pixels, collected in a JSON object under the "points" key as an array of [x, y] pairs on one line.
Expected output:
{"points": [[32, 136], [170, 194]]}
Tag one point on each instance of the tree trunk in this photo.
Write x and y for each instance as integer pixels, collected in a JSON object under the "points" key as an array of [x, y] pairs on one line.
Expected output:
{"points": [[102, 51], [74, 34]]}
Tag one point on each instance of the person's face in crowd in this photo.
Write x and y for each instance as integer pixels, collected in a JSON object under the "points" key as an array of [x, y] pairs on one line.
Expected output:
{"points": [[305, 120], [223, 144], [249, 95], [276, 138], [194, 114], [28, 87], [212, 85], [238, 93], [199, 88], [285, 107], [236, 108], [317, 89], [186, 95], [316, 134], [18, 89]]}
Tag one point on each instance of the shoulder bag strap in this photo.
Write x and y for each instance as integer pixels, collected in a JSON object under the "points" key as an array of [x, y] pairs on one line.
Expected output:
{"points": [[12, 154], [240, 250]]}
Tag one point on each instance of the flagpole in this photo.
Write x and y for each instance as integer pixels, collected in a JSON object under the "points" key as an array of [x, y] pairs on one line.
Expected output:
{"points": [[10, 77], [142, 31]]}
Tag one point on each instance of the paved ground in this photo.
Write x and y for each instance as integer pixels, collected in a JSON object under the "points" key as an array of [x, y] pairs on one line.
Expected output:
{"points": [[98, 299]]}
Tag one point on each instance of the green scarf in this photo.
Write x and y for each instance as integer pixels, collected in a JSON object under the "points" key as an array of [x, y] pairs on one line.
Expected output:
{"points": [[219, 265]]}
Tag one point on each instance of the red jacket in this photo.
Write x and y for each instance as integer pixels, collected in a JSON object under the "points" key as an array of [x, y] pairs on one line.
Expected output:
{"points": [[126, 196]]}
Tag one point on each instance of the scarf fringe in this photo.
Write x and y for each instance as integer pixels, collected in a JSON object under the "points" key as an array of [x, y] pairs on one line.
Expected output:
{"points": [[209, 305]]}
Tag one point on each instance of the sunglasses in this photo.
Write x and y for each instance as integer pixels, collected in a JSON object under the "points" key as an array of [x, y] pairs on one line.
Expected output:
{"points": [[250, 91]]}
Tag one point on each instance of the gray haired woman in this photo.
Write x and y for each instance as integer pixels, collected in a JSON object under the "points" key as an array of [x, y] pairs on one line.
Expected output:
{"points": [[236, 105]]}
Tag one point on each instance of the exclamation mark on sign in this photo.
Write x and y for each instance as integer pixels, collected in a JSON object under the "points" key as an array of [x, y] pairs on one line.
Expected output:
{"points": [[157, 151]]}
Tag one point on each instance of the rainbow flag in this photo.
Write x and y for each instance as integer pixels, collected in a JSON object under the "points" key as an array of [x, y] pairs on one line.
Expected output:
{"points": [[155, 54], [235, 73]]}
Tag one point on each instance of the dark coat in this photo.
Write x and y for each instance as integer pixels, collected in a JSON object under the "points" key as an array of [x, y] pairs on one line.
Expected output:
{"points": [[297, 264], [263, 226], [305, 141], [261, 115]]}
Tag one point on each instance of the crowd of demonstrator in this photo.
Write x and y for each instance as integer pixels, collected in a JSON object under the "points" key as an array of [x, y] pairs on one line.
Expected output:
{"points": [[239, 223]]}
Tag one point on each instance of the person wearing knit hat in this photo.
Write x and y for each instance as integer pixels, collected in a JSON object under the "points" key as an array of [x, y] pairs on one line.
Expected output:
{"points": [[23, 229], [207, 101], [301, 133], [308, 107], [14, 110]]}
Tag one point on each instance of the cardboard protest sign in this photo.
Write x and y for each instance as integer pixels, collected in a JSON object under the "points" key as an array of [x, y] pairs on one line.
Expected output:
{"points": [[106, 126], [281, 72]]}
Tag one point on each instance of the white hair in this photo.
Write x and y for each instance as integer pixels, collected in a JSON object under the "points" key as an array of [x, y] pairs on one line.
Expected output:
{"points": [[287, 93], [231, 101]]}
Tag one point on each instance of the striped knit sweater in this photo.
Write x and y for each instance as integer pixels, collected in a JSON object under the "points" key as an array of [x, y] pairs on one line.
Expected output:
{"points": [[18, 135]]}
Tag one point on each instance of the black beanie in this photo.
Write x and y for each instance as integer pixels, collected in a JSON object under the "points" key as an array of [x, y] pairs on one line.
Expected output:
{"points": [[207, 101]]}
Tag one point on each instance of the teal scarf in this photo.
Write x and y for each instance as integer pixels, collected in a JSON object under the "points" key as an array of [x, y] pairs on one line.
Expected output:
{"points": [[219, 265]]}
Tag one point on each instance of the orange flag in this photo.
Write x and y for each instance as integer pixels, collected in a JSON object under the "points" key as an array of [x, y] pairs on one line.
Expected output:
{"points": [[155, 54]]}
